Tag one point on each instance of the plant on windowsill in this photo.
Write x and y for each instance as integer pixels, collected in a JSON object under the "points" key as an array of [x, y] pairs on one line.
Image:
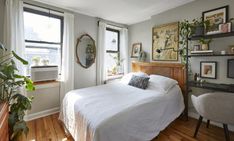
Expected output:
{"points": [[118, 62], [11, 84]]}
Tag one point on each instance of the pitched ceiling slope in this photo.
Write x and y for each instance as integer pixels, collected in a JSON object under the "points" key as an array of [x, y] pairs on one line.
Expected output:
{"points": [[120, 11]]}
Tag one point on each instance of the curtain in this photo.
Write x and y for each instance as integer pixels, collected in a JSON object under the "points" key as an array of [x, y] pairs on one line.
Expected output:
{"points": [[101, 54], [13, 37], [124, 48], [67, 70]]}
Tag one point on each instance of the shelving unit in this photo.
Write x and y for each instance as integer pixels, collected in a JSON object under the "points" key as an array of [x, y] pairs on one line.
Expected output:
{"points": [[213, 86], [206, 85], [220, 35], [209, 55]]}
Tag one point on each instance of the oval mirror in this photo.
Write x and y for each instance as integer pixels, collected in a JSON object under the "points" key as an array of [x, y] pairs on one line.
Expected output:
{"points": [[85, 50]]}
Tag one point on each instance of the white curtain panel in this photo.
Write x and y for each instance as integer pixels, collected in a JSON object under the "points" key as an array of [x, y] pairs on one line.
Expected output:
{"points": [[13, 38], [124, 48], [101, 54], [67, 72]]}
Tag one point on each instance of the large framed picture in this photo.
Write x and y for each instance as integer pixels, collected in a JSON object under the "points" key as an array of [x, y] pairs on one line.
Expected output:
{"points": [[166, 39], [136, 49], [215, 17], [208, 69]]}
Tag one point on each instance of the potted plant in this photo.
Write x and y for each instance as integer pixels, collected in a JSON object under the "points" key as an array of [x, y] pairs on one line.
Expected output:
{"points": [[10, 84], [185, 31], [199, 26], [205, 43], [36, 60], [118, 62]]}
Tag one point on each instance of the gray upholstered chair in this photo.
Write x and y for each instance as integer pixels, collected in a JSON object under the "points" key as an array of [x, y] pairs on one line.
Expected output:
{"points": [[218, 107]]}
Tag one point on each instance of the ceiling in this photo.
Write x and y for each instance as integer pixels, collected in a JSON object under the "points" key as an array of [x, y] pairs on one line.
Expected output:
{"points": [[120, 11]]}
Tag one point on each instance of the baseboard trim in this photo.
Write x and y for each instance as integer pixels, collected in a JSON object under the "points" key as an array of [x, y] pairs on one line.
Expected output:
{"points": [[41, 114], [196, 116]]}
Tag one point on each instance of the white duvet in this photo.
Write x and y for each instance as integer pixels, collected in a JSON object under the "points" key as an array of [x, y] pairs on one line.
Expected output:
{"points": [[119, 112]]}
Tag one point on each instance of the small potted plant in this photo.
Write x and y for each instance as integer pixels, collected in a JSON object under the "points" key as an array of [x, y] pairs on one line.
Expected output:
{"points": [[205, 43], [36, 60], [199, 25]]}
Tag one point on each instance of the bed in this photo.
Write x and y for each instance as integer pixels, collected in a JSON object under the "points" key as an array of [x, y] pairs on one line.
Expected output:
{"points": [[119, 112]]}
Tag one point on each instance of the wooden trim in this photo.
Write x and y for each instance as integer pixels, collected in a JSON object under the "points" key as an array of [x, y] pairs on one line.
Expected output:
{"points": [[45, 82]]}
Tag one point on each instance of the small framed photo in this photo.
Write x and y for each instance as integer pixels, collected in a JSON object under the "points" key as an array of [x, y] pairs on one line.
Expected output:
{"points": [[196, 47], [215, 17], [208, 69], [136, 49], [226, 27]]}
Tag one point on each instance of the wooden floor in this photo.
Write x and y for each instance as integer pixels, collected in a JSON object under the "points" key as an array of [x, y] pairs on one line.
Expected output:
{"points": [[50, 129]]}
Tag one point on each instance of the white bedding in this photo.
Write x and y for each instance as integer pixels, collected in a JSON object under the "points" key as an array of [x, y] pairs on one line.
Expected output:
{"points": [[119, 112]]}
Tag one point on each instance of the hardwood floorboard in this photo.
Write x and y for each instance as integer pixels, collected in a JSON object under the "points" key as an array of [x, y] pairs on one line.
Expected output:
{"points": [[51, 129]]}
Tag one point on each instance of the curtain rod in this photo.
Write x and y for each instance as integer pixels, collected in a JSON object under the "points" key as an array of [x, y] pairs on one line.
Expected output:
{"points": [[113, 25], [43, 7]]}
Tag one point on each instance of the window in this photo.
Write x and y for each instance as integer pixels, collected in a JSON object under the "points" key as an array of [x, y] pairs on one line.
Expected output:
{"points": [[113, 52], [43, 36]]}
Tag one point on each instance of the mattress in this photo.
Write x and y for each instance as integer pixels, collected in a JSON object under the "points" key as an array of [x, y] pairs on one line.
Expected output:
{"points": [[119, 112]]}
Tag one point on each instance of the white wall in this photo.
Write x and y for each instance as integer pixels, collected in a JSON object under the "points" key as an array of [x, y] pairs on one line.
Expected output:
{"points": [[46, 99], [85, 24], [1, 19], [142, 32]]}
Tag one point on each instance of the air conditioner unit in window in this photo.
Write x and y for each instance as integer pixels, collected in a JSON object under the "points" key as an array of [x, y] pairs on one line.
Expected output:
{"points": [[44, 73]]}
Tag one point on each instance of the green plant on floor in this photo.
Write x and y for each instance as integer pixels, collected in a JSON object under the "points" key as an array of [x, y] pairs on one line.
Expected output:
{"points": [[11, 84]]}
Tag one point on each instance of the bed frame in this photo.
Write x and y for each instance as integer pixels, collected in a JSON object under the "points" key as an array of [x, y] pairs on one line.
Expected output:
{"points": [[175, 71]]}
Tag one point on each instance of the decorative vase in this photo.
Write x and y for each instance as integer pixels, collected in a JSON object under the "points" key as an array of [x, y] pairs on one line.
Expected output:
{"points": [[205, 46]]}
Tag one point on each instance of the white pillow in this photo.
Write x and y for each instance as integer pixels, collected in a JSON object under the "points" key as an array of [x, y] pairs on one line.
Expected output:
{"points": [[161, 82], [127, 77]]}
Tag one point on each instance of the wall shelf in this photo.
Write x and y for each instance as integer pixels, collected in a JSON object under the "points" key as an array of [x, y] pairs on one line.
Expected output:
{"points": [[220, 35], [209, 55], [213, 86]]}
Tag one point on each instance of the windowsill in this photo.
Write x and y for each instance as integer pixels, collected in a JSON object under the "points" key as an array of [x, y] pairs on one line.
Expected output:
{"points": [[113, 77], [46, 84]]}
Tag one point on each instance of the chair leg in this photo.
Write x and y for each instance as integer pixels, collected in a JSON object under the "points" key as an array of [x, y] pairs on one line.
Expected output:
{"points": [[198, 126], [225, 127], [208, 123]]}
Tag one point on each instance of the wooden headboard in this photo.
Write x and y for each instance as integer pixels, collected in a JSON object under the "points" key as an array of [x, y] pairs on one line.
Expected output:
{"points": [[172, 70]]}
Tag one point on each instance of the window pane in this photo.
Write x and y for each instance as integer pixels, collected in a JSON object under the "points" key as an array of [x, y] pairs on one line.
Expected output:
{"points": [[111, 64], [111, 40], [42, 28], [44, 51]]}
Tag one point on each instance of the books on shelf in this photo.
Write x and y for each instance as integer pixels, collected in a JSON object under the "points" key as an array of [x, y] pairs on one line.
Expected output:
{"points": [[201, 51]]}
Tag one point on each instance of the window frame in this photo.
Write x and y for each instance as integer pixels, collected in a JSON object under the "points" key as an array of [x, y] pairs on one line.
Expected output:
{"points": [[118, 43], [61, 18]]}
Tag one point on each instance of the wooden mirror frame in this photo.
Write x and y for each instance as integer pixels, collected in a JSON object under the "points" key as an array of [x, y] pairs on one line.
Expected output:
{"points": [[77, 56]]}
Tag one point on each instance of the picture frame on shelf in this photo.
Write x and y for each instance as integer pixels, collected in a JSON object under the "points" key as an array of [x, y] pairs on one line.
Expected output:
{"points": [[208, 69], [215, 17], [136, 49], [196, 47], [225, 28]]}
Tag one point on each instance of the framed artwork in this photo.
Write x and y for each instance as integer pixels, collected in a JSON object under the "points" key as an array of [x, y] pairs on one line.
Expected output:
{"points": [[166, 39], [208, 69], [215, 17], [136, 49]]}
